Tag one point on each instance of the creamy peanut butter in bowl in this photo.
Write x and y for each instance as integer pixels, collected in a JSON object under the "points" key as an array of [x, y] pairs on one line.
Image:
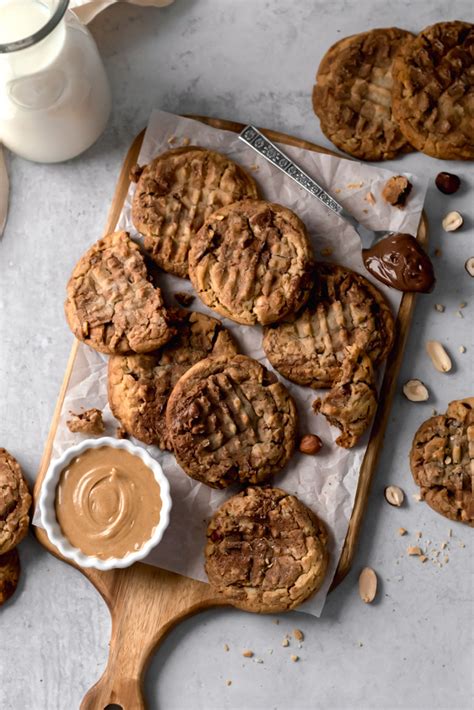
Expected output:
{"points": [[105, 503]]}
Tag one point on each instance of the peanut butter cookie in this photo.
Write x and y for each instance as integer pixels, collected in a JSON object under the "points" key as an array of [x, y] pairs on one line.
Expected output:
{"points": [[251, 262], [111, 305], [229, 419], [442, 461], [266, 551], [139, 385], [15, 502], [353, 94], [343, 309], [176, 193], [433, 91], [352, 402], [9, 574]]}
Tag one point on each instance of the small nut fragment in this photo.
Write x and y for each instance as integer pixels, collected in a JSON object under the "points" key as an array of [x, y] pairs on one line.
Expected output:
{"points": [[452, 221], [414, 551], [295, 658], [462, 349], [402, 531], [285, 642], [394, 495], [298, 634], [439, 356], [439, 307], [370, 198], [367, 585], [448, 183], [310, 444], [247, 653], [469, 266], [415, 391], [422, 558]]}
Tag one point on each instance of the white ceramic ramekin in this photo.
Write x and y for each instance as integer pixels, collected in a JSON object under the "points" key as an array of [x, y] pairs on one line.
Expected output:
{"points": [[46, 504]]}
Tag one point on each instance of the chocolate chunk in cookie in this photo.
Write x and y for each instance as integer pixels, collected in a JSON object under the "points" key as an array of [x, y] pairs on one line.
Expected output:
{"points": [[352, 96], [88, 422], [266, 551], [9, 574], [111, 305], [15, 502], [176, 193], [442, 461], [352, 402], [433, 90], [343, 309], [251, 262], [229, 419], [139, 385]]}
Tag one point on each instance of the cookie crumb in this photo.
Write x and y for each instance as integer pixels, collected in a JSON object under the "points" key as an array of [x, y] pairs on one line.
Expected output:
{"points": [[295, 658], [171, 140], [446, 560], [417, 497], [414, 550], [422, 558], [360, 644], [121, 433], [285, 642], [370, 198], [226, 647], [439, 307], [396, 191], [298, 635], [258, 660], [402, 531], [462, 349], [463, 304], [88, 422], [247, 653], [337, 190], [418, 534], [255, 167], [184, 298], [354, 185], [186, 141], [228, 682]]}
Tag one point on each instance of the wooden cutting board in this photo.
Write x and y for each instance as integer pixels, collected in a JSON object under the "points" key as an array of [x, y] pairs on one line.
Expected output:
{"points": [[144, 601]]}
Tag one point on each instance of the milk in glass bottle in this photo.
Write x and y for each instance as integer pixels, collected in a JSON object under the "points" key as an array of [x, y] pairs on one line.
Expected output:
{"points": [[54, 93]]}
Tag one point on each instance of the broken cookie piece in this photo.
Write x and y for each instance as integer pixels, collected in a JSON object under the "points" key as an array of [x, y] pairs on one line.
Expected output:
{"points": [[88, 422], [397, 190], [351, 403]]}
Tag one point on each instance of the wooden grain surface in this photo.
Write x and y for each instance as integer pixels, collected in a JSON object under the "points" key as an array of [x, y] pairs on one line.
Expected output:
{"points": [[144, 601]]}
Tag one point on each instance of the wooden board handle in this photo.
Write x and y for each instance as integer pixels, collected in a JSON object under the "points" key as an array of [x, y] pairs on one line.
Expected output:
{"points": [[145, 603]]}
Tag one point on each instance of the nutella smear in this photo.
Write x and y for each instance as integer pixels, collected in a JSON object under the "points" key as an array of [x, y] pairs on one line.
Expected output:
{"points": [[107, 502], [399, 261]]}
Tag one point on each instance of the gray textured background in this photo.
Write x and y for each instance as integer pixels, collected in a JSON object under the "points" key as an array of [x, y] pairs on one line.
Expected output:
{"points": [[249, 61]]}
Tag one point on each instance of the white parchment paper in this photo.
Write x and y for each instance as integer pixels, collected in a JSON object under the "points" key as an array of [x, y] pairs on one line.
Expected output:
{"points": [[327, 482]]}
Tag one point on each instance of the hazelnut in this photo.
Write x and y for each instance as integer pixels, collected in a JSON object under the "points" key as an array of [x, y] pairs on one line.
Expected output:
{"points": [[394, 495], [469, 266], [452, 221], [415, 391], [310, 444], [447, 183]]}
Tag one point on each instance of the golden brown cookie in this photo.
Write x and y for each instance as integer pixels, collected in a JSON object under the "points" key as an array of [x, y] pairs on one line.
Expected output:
{"points": [[251, 262], [433, 90], [176, 193], [111, 305], [351, 403], [442, 461], [15, 502], [266, 551], [88, 422], [343, 308], [139, 385], [229, 419], [352, 94], [9, 574]]}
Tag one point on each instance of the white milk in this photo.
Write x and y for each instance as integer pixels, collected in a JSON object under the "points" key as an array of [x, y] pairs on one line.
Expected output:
{"points": [[54, 96]]}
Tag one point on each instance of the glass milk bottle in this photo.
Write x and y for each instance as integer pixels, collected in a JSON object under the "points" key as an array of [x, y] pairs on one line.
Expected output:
{"points": [[54, 93]]}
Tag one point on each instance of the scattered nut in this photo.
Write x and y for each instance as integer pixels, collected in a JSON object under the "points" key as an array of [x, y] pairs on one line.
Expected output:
{"points": [[462, 349], [310, 444], [438, 307], [394, 495], [452, 221], [469, 266], [367, 585], [448, 183], [415, 391], [414, 551], [285, 642], [396, 191], [402, 531], [298, 634], [247, 654], [439, 356], [423, 558], [295, 658]]}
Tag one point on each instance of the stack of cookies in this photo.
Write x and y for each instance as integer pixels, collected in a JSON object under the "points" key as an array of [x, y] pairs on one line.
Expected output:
{"points": [[385, 92], [176, 379], [15, 503]]}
